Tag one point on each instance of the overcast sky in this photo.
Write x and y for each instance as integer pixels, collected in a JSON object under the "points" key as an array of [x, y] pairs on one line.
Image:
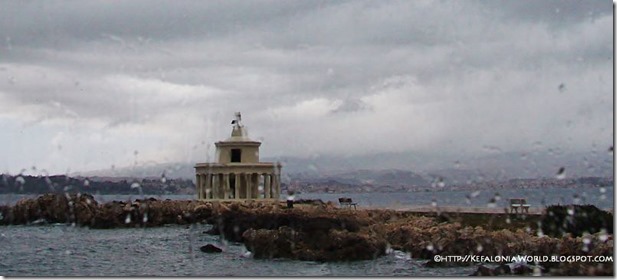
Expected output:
{"points": [[87, 85]]}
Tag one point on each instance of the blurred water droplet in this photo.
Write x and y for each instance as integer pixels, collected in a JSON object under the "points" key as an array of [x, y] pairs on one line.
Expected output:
{"points": [[603, 236], [127, 220], [576, 199], [434, 203], [135, 185], [163, 179], [508, 220], [86, 183], [20, 180], [430, 247], [537, 271], [561, 173], [479, 248], [602, 190], [570, 211], [236, 229], [474, 194], [68, 252], [586, 240], [145, 219]]}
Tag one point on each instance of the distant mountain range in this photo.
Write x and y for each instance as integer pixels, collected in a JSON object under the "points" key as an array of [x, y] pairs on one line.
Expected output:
{"points": [[406, 169]]}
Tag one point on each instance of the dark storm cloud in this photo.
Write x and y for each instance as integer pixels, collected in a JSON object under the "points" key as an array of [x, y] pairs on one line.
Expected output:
{"points": [[419, 76]]}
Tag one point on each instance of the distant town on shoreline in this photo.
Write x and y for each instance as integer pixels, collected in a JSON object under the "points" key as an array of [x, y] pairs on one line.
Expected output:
{"points": [[28, 184]]}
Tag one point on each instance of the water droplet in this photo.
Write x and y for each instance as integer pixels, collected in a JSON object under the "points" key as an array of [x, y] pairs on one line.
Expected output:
{"points": [[586, 241], [508, 220], [127, 220], [135, 185], [20, 180], [571, 211], [86, 183], [561, 173], [537, 271], [67, 252], [474, 194], [479, 248], [576, 199], [603, 236], [145, 219], [430, 247], [236, 229], [602, 190], [434, 203]]}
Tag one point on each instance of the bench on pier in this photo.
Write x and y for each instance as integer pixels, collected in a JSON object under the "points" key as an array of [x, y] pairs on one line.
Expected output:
{"points": [[519, 203], [347, 202]]}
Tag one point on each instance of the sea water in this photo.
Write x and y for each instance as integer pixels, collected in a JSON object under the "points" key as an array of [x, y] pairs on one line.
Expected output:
{"points": [[64, 250]]}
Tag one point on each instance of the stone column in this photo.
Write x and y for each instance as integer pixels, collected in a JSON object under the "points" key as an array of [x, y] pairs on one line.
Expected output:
{"points": [[198, 185], [267, 187], [221, 186], [208, 187], [237, 188], [247, 185], [226, 186], [255, 185]]}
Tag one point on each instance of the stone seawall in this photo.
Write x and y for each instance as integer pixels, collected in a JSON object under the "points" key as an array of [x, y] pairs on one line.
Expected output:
{"points": [[323, 232]]}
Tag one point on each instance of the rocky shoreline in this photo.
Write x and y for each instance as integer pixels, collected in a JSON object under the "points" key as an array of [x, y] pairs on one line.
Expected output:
{"points": [[319, 231]]}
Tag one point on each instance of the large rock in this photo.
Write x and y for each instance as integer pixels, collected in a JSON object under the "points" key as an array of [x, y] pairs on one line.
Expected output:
{"points": [[333, 245], [209, 248], [53, 208], [234, 222]]}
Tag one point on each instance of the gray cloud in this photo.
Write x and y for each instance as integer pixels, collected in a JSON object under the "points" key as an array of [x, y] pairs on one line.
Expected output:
{"points": [[448, 78]]}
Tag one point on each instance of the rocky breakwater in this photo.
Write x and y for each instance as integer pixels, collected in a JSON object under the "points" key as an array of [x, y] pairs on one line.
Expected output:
{"points": [[318, 231], [83, 210], [322, 232]]}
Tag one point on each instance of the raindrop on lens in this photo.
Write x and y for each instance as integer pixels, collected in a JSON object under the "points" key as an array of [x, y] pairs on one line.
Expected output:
{"points": [[603, 236], [479, 248], [561, 173], [570, 211], [128, 219]]}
